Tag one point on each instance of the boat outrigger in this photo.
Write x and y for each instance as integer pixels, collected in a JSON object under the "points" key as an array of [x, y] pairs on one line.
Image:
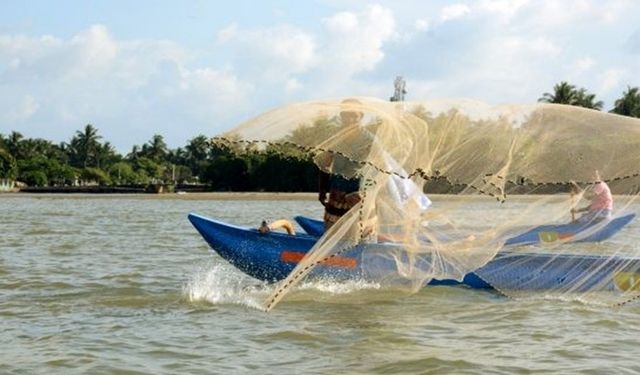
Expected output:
{"points": [[541, 234]]}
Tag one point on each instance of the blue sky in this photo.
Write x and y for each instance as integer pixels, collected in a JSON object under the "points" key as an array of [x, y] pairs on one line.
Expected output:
{"points": [[137, 68]]}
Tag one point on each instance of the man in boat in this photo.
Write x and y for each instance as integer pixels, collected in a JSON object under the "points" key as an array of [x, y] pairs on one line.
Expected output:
{"points": [[338, 193], [601, 204]]}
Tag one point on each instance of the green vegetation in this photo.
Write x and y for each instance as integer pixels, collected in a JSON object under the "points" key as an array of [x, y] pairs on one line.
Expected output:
{"points": [[629, 103], [564, 93], [86, 160]]}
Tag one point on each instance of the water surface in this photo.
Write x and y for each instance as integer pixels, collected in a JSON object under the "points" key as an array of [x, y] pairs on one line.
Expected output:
{"points": [[105, 284]]}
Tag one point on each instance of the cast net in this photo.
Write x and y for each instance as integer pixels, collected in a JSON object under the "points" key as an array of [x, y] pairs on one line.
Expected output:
{"points": [[511, 169]]}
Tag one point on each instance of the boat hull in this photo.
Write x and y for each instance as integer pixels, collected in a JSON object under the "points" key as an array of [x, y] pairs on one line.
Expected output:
{"points": [[272, 256]]}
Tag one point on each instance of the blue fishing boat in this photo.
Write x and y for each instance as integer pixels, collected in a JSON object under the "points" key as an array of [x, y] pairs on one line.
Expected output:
{"points": [[272, 256]]}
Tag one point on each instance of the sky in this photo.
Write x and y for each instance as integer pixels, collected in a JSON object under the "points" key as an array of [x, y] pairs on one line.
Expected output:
{"points": [[183, 68]]}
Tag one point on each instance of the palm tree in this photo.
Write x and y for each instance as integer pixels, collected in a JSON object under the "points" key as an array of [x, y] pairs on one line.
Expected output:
{"points": [[106, 155], [84, 146], [177, 156], [32, 147], [196, 154], [563, 93], [155, 149], [629, 103], [7, 164], [134, 154], [198, 148], [584, 99], [14, 144]]}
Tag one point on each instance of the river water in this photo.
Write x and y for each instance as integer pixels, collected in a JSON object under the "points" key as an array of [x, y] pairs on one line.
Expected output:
{"points": [[124, 284]]}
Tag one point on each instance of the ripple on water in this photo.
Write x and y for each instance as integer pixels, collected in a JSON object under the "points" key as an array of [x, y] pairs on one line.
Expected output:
{"points": [[39, 231], [299, 337], [426, 365], [66, 248]]}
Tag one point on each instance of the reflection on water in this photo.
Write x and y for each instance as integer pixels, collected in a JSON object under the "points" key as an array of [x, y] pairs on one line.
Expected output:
{"points": [[124, 283]]}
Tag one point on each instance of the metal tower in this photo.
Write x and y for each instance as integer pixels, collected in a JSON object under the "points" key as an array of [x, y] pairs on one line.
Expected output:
{"points": [[400, 86]]}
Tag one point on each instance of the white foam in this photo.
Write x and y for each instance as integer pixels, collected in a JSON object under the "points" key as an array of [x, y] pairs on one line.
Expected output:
{"points": [[222, 284], [338, 287]]}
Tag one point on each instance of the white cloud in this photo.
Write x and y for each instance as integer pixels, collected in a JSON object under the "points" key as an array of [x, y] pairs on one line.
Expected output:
{"points": [[278, 56], [584, 64], [28, 48], [612, 10], [95, 48], [498, 69], [610, 80], [423, 89], [518, 49], [292, 85], [275, 52], [542, 46], [132, 88], [422, 24], [221, 85], [20, 109], [454, 11], [209, 93], [505, 8], [28, 108], [228, 33], [343, 22], [142, 61], [550, 15], [355, 41]]}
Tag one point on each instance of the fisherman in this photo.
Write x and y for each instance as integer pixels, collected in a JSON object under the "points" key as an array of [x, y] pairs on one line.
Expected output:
{"points": [[342, 187], [601, 204]]}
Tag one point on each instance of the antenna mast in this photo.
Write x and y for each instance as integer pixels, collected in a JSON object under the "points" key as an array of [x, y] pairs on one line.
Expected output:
{"points": [[400, 86]]}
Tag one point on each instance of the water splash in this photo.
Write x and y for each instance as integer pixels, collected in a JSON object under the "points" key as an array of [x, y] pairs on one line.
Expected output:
{"points": [[336, 287], [222, 284]]}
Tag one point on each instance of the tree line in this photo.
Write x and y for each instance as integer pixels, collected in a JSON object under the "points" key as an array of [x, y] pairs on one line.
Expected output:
{"points": [[564, 93], [85, 158]]}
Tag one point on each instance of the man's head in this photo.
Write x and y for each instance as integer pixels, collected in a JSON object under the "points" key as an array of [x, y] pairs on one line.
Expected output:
{"points": [[350, 113]]}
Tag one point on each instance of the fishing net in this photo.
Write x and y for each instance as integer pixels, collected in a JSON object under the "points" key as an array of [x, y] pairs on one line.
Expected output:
{"points": [[511, 169]]}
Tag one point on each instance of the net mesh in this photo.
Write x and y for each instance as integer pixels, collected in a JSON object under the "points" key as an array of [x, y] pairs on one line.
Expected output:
{"points": [[484, 154]]}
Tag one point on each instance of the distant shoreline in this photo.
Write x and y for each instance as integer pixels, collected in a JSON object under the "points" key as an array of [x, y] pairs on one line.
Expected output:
{"points": [[248, 196]]}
